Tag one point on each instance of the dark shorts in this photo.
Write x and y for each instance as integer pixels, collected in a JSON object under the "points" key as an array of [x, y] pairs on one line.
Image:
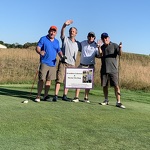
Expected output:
{"points": [[109, 77], [47, 73], [60, 76]]}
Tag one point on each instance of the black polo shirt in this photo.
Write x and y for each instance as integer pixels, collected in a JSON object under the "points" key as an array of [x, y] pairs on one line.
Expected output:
{"points": [[109, 58]]}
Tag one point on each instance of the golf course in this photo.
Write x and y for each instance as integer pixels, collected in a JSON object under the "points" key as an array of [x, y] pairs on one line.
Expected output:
{"points": [[66, 125], [73, 126]]}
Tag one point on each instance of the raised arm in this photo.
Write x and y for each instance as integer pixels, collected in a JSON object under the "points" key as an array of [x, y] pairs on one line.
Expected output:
{"points": [[100, 51], [120, 48], [99, 44], [67, 23]]}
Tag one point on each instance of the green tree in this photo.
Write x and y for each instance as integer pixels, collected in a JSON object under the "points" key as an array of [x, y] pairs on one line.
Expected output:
{"points": [[1, 42]]}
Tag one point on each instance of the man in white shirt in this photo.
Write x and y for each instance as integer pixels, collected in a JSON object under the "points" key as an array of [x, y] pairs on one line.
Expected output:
{"points": [[89, 51]]}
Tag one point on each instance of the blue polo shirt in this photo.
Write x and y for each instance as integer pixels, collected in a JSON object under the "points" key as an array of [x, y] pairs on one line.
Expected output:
{"points": [[51, 48]]}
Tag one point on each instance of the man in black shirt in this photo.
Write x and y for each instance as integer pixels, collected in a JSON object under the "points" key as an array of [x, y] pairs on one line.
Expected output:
{"points": [[109, 68]]}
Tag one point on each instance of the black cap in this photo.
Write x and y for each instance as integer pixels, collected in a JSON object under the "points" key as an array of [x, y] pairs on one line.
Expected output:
{"points": [[91, 33]]}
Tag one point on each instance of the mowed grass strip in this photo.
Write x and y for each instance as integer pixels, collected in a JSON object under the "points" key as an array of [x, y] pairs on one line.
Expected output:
{"points": [[73, 126]]}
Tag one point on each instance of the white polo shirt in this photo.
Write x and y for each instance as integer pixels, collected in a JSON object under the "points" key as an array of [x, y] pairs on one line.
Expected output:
{"points": [[88, 53]]}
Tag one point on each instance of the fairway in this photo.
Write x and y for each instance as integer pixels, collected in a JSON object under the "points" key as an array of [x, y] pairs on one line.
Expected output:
{"points": [[73, 126]]}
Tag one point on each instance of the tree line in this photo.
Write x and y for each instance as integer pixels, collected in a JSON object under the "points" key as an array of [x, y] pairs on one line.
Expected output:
{"points": [[17, 45]]}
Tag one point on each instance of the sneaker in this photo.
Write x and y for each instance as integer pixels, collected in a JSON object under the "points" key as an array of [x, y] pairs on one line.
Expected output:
{"points": [[86, 100], [105, 102], [47, 98], [76, 99], [120, 105], [55, 98], [37, 99], [65, 98]]}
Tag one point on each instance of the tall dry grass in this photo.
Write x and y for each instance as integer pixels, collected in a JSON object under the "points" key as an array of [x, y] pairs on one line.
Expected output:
{"points": [[135, 71], [20, 66]]}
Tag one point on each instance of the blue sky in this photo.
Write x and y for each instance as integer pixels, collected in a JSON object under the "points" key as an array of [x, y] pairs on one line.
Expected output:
{"points": [[124, 20]]}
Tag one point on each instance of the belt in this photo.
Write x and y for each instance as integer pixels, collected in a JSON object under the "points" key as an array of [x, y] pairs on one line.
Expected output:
{"points": [[66, 63], [87, 65]]}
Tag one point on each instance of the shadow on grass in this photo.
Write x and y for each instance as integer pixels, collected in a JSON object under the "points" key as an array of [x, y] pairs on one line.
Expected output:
{"points": [[31, 96], [16, 93], [23, 94]]}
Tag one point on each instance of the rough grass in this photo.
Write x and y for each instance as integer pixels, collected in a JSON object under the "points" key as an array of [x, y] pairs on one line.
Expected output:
{"points": [[20, 66]]}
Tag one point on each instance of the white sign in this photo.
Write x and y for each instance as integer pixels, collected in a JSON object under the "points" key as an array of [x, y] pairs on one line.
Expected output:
{"points": [[81, 78]]}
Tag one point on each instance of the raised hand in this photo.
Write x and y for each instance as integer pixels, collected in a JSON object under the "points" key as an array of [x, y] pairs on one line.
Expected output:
{"points": [[68, 22], [99, 43], [120, 45]]}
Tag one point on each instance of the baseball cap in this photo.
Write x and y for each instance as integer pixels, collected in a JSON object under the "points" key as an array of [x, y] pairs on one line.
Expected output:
{"points": [[53, 28], [91, 33], [104, 35]]}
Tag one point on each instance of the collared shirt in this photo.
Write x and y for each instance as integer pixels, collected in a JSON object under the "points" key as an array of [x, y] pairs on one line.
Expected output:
{"points": [[70, 50], [109, 58], [88, 53], [51, 49]]}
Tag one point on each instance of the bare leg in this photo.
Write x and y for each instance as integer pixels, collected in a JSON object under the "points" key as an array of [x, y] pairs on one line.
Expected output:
{"points": [[40, 87], [105, 91], [117, 93], [65, 91], [77, 92], [47, 87], [86, 93], [57, 88]]}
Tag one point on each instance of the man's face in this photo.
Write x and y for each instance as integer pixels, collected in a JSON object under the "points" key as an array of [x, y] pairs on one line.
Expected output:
{"points": [[106, 40], [52, 34], [73, 32], [91, 38]]}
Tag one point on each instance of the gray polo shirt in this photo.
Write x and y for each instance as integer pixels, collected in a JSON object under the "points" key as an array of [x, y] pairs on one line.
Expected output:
{"points": [[109, 58], [70, 50]]}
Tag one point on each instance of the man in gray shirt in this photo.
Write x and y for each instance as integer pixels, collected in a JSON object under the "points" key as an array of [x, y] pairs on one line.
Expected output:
{"points": [[70, 49], [109, 68]]}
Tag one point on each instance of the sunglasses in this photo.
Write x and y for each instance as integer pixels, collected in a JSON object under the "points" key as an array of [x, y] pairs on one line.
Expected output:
{"points": [[104, 37], [91, 36]]}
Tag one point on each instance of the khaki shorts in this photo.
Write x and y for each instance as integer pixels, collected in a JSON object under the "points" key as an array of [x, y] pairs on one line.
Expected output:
{"points": [[112, 77], [47, 73], [60, 75]]}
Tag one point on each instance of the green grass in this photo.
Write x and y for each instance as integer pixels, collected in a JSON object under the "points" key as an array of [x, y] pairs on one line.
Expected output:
{"points": [[73, 126]]}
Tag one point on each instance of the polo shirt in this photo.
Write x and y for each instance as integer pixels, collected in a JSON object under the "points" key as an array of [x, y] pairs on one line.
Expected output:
{"points": [[70, 50], [109, 58], [88, 53], [51, 49]]}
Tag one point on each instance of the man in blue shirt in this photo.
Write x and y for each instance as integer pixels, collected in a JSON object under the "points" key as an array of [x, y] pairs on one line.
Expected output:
{"points": [[48, 48]]}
